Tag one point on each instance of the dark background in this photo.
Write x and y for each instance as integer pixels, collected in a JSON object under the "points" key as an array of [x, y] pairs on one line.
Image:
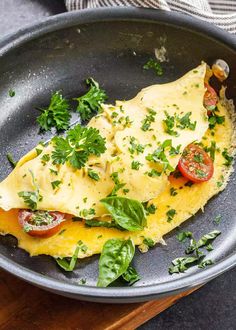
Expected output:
{"points": [[211, 307]]}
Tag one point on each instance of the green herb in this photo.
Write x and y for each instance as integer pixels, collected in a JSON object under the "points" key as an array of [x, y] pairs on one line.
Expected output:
{"points": [[205, 263], [229, 159], [90, 103], [135, 165], [83, 281], [198, 158], [182, 264], [38, 151], [151, 209], [159, 156], [185, 122], [56, 184], [189, 184], [169, 124], [77, 146], [85, 199], [214, 119], [130, 275], [118, 184], [127, 213], [148, 120], [11, 160], [105, 224], [68, 264], [154, 173], [31, 198], [93, 175], [174, 151], [218, 219], [200, 173], [135, 146], [181, 237], [87, 213], [149, 242], [208, 238], [173, 191], [114, 261], [45, 159], [170, 215], [153, 64], [56, 115], [211, 150], [11, 93], [62, 231], [53, 171]]}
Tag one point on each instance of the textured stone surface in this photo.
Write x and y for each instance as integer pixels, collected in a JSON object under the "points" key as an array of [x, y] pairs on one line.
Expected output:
{"points": [[211, 307]]}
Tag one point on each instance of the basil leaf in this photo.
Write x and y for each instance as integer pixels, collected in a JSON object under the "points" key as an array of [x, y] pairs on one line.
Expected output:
{"points": [[114, 260], [128, 213], [208, 238], [181, 264], [106, 224], [131, 276], [69, 264]]}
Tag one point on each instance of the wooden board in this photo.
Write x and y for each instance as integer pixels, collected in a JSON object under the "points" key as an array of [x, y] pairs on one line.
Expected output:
{"points": [[23, 306]]}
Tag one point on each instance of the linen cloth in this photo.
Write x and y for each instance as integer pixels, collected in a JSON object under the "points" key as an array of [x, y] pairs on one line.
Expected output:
{"points": [[219, 12]]}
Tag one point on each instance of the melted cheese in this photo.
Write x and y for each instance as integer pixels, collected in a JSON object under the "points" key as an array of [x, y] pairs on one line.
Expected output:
{"points": [[118, 124]]}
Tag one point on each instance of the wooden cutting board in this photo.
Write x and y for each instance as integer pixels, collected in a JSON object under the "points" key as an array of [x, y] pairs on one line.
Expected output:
{"points": [[25, 307]]}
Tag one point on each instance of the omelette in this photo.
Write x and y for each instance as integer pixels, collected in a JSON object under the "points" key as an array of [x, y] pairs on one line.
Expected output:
{"points": [[139, 146]]}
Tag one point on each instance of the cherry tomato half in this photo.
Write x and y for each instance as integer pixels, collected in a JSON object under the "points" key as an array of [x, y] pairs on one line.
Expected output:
{"points": [[195, 164], [210, 98], [40, 223]]}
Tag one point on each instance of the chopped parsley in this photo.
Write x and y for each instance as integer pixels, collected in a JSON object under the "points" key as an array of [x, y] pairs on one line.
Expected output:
{"points": [[53, 171], [169, 124], [118, 184], [56, 114], [173, 191], [149, 242], [87, 212], [151, 209], [211, 150], [11, 93], [90, 103], [93, 175], [148, 120], [153, 173], [135, 165], [229, 159], [218, 219], [77, 146], [185, 122], [170, 214], [135, 146], [159, 156], [11, 160], [155, 65], [214, 119], [56, 184], [45, 159], [173, 122], [31, 198]]}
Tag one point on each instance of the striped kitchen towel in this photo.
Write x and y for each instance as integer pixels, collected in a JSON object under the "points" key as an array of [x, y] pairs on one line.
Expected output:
{"points": [[219, 12]]}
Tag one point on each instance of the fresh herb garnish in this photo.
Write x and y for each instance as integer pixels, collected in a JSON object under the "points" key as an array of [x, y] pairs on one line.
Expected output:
{"points": [[153, 64], [131, 276], [90, 103], [205, 263], [169, 124], [56, 115], [148, 120], [185, 122], [56, 184], [173, 191], [135, 165], [211, 150], [45, 159], [229, 159], [153, 173], [87, 213], [151, 209], [218, 219], [11, 93], [181, 237], [68, 264], [127, 213], [77, 146], [31, 198], [214, 119], [93, 175], [159, 156], [118, 184], [135, 146], [106, 224], [170, 214], [149, 242], [11, 159], [114, 261]]}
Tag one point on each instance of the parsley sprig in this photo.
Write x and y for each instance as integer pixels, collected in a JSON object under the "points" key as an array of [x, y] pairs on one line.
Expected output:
{"points": [[56, 114], [90, 103], [77, 146]]}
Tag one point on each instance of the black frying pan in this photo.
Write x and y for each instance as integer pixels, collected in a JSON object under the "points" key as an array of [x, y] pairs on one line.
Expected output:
{"points": [[110, 45]]}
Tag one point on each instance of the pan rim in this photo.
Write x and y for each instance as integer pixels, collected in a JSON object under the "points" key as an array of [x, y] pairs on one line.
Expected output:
{"points": [[58, 22]]}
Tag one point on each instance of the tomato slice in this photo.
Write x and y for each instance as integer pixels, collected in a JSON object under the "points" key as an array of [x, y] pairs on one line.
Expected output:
{"points": [[210, 98], [40, 223], [195, 164]]}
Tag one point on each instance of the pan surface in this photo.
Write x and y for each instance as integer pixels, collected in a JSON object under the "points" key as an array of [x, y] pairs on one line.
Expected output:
{"points": [[110, 45]]}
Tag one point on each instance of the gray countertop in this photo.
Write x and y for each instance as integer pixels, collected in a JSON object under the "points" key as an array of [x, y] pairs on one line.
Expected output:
{"points": [[212, 306]]}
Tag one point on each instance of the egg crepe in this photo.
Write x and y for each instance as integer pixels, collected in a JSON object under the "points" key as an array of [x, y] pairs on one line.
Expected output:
{"points": [[186, 94]]}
